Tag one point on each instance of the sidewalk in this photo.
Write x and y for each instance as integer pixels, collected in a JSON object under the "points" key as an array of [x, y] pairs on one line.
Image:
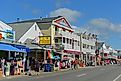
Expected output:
{"points": [[33, 73]]}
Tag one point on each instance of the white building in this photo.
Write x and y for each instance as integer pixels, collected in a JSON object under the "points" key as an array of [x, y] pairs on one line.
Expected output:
{"points": [[65, 36], [88, 47], [26, 31]]}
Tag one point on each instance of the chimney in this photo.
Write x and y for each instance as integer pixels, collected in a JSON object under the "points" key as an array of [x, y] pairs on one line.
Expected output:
{"points": [[18, 19]]}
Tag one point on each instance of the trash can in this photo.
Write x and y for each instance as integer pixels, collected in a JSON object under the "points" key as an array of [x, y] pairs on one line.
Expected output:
{"points": [[47, 68]]}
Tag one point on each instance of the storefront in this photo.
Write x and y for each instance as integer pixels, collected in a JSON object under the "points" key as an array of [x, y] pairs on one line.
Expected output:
{"points": [[72, 54], [9, 52]]}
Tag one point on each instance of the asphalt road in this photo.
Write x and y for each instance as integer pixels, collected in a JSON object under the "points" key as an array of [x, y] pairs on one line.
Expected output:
{"points": [[104, 73]]}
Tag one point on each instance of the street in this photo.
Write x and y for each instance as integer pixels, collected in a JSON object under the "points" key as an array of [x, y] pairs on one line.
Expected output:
{"points": [[103, 73]]}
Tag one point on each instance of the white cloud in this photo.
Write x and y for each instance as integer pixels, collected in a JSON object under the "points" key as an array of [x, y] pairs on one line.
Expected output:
{"points": [[71, 15], [102, 23], [61, 3], [74, 27]]}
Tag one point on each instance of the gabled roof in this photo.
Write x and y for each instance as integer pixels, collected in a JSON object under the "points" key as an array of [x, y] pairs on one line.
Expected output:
{"points": [[21, 28]]}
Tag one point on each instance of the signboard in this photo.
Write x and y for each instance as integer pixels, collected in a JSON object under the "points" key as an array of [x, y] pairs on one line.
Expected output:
{"points": [[45, 40], [1, 36], [10, 35]]}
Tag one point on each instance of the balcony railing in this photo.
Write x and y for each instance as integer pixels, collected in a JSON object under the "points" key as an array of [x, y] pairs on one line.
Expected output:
{"points": [[58, 34]]}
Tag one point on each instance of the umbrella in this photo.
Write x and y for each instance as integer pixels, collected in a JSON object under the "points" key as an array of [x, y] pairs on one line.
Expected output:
{"points": [[56, 57]]}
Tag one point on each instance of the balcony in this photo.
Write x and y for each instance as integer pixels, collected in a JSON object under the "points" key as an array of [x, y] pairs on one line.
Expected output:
{"points": [[58, 34]]}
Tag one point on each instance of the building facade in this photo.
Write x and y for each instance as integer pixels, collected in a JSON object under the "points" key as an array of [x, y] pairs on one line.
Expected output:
{"points": [[88, 48]]}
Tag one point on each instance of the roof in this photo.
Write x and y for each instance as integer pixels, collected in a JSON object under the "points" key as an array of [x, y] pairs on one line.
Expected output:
{"points": [[42, 20], [21, 28], [100, 44], [4, 26], [44, 26]]}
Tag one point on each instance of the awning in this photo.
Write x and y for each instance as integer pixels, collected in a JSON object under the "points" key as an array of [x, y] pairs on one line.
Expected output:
{"points": [[21, 47], [7, 47], [72, 52]]}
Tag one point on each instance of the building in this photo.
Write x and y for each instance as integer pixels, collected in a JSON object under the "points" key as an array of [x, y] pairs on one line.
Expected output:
{"points": [[88, 48], [29, 33], [7, 39], [64, 41]]}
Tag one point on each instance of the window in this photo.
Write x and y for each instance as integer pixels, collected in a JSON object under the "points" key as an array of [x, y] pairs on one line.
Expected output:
{"points": [[56, 29], [67, 40], [87, 46], [72, 45], [92, 47], [70, 41], [78, 43], [63, 39], [84, 45], [56, 40]]}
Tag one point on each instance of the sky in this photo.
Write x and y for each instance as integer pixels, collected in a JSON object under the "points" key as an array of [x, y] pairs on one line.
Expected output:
{"points": [[102, 17]]}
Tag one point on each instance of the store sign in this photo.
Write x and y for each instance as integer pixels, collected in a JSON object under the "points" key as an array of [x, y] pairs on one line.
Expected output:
{"points": [[45, 40], [10, 35], [1, 36]]}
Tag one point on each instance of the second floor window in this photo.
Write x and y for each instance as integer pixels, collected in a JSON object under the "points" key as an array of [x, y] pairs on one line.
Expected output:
{"points": [[56, 29], [84, 45], [63, 39], [78, 43], [67, 40], [56, 40], [70, 41]]}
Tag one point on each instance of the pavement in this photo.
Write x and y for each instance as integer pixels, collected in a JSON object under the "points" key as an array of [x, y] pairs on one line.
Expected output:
{"points": [[102, 73], [33, 73]]}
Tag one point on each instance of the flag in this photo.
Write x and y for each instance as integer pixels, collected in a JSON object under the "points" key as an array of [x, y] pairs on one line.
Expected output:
{"points": [[50, 54]]}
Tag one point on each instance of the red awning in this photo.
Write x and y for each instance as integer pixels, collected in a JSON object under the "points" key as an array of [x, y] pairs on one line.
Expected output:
{"points": [[72, 52]]}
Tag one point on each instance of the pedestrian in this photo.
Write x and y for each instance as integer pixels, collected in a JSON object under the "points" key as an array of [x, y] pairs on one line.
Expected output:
{"points": [[72, 65], [3, 66], [37, 66], [12, 67]]}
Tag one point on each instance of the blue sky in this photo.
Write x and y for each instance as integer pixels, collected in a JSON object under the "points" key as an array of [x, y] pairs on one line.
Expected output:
{"points": [[102, 17]]}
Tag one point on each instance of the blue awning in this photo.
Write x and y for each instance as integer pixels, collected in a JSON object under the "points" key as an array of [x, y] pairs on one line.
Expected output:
{"points": [[21, 47], [7, 47]]}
